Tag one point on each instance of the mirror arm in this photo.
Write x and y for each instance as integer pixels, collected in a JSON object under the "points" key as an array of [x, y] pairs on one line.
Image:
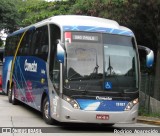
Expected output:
{"points": [[144, 48]]}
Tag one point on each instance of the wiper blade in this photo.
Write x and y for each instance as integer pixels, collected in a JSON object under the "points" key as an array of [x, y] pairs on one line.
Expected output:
{"points": [[110, 70], [93, 74], [73, 74], [130, 90]]}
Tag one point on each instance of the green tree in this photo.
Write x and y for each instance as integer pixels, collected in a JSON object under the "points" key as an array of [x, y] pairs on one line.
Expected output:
{"points": [[8, 15], [89, 7], [23, 11], [42, 10], [1, 42], [153, 34]]}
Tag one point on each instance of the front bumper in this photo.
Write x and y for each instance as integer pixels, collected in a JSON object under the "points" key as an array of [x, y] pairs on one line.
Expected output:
{"points": [[68, 114]]}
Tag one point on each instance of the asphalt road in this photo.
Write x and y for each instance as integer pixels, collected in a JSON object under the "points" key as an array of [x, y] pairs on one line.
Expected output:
{"points": [[25, 120]]}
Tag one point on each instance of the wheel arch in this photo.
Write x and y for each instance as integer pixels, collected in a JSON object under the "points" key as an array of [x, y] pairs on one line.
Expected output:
{"points": [[45, 94]]}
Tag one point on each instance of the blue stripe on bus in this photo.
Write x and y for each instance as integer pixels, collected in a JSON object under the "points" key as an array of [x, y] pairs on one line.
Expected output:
{"points": [[102, 105], [98, 29], [6, 69], [30, 82]]}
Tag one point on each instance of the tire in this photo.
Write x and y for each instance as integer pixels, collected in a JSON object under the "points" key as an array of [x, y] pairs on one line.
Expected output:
{"points": [[9, 95], [14, 100], [45, 111]]}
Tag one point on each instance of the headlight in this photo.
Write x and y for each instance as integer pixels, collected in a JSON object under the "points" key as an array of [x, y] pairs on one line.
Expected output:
{"points": [[131, 104], [71, 101]]}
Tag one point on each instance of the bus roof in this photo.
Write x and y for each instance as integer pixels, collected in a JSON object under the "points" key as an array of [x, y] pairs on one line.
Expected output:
{"points": [[78, 20], [81, 20]]}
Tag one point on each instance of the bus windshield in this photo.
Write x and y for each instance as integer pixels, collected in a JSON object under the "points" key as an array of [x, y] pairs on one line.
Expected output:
{"points": [[94, 61]]}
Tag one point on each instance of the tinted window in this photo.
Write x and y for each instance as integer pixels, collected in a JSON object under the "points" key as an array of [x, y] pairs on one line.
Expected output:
{"points": [[54, 68], [39, 43]]}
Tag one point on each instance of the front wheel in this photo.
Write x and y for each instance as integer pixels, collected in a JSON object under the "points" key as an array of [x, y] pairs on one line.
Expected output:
{"points": [[46, 113]]}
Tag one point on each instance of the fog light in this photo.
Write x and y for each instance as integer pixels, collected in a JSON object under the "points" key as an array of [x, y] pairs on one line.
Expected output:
{"points": [[67, 117]]}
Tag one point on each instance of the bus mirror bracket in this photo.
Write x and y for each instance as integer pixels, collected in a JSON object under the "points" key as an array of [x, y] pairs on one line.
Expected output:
{"points": [[60, 52], [149, 55]]}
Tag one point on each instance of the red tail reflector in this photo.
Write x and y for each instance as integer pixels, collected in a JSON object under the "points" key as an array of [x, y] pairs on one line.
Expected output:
{"points": [[68, 37]]}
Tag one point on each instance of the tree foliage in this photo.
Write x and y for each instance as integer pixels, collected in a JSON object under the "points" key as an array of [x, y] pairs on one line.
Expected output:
{"points": [[42, 10], [1, 42], [8, 15], [141, 16]]}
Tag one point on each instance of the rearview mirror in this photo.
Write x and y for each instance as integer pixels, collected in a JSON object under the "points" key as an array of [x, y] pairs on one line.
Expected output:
{"points": [[149, 55], [60, 52]]}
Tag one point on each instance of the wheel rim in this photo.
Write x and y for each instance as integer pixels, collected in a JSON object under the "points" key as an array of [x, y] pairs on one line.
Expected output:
{"points": [[46, 109], [9, 93], [12, 94]]}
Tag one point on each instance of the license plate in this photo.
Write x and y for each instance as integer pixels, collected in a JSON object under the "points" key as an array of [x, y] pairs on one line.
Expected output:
{"points": [[102, 117]]}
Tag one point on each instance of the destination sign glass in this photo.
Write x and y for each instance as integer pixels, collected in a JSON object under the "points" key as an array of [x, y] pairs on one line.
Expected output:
{"points": [[86, 37]]}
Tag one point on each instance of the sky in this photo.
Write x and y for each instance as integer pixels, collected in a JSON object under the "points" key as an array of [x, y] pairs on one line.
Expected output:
{"points": [[3, 35]]}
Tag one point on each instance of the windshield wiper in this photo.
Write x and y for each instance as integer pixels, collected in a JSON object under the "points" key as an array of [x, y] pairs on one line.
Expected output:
{"points": [[92, 75], [73, 73], [78, 76], [110, 70]]}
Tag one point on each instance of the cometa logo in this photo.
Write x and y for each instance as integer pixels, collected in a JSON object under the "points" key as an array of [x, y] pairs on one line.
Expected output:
{"points": [[103, 98], [32, 67]]}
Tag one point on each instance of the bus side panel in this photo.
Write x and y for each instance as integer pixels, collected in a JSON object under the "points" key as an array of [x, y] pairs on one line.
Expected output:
{"points": [[30, 78], [6, 72]]}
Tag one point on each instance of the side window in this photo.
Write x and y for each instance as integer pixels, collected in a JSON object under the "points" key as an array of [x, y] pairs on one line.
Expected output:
{"points": [[25, 44], [33, 43], [11, 45], [54, 67], [40, 43]]}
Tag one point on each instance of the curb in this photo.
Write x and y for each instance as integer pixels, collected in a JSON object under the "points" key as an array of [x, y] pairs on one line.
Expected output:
{"points": [[149, 121]]}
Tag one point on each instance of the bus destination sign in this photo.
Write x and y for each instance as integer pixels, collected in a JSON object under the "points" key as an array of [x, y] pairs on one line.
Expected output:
{"points": [[87, 37]]}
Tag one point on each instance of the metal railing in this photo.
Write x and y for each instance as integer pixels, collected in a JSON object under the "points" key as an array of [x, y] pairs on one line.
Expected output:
{"points": [[149, 101]]}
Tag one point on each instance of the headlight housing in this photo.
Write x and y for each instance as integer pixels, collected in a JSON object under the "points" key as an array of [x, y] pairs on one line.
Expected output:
{"points": [[71, 101], [131, 104]]}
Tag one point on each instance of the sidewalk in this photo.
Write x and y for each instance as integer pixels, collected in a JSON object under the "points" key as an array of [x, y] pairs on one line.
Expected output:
{"points": [[148, 120]]}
